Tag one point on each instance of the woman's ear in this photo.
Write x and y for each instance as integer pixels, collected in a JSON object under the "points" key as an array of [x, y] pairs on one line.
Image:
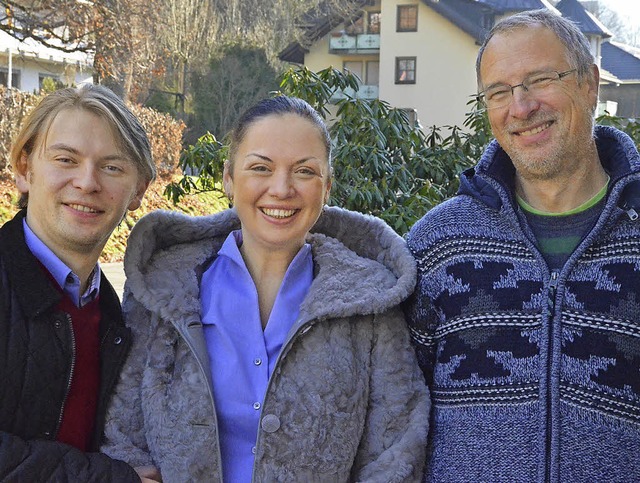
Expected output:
{"points": [[227, 181]]}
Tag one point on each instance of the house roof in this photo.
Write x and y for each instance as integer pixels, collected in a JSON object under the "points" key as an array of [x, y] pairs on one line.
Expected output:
{"points": [[473, 17], [504, 6], [476, 17], [621, 60], [588, 24]]}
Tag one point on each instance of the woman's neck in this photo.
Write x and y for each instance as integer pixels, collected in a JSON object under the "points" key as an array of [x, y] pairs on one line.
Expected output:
{"points": [[267, 269]]}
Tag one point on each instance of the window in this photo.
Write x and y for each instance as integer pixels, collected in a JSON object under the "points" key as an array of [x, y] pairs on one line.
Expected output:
{"points": [[407, 19], [374, 22], [373, 73], [412, 116], [368, 72], [358, 26], [405, 70], [355, 67], [15, 78]]}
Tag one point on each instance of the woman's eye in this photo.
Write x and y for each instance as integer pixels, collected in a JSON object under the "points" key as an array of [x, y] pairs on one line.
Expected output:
{"points": [[307, 171]]}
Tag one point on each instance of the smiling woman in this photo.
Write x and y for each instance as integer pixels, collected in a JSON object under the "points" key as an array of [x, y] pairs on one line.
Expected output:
{"points": [[280, 320], [279, 180]]}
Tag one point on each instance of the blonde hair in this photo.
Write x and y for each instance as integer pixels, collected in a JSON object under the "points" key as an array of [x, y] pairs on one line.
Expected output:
{"points": [[99, 101]]}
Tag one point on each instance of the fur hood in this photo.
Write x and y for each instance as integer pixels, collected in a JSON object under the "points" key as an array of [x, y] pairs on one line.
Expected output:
{"points": [[375, 272]]}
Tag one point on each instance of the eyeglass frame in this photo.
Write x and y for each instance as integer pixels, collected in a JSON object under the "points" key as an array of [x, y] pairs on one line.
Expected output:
{"points": [[481, 96]]}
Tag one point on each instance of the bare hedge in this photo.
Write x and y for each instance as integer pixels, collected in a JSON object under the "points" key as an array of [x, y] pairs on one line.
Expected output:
{"points": [[165, 133]]}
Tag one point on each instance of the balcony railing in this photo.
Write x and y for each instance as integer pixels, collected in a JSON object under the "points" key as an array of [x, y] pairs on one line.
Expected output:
{"points": [[364, 92], [361, 43]]}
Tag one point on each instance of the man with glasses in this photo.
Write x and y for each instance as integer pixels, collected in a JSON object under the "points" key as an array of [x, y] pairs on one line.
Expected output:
{"points": [[526, 316]]}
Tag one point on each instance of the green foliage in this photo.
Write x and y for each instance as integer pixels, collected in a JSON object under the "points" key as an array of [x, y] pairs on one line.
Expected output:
{"points": [[630, 126], [49, 85], [203, 165], [383, 164]]}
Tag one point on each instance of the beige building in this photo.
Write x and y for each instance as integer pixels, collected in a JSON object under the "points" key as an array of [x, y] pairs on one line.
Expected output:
{"points": [[420, 54]]}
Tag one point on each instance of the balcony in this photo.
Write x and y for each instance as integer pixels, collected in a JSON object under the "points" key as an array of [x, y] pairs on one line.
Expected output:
{"points": [[341, 43], [364, 92]]}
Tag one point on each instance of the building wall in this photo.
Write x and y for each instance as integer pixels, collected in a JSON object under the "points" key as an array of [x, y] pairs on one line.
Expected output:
{"points": [[445, 63], [33, 61], [626, 95], [319, 58], [445, 66]]}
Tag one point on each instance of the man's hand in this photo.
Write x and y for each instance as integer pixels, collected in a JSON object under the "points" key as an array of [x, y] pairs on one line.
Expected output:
{"points": [[148, 474]]}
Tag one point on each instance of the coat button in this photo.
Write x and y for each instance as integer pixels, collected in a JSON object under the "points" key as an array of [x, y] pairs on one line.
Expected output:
{"points": [[270, 423], [117, 340], [57, 324]]}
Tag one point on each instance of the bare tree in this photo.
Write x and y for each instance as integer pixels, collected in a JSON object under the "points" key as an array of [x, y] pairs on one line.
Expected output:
{"points": [[623, 30]]}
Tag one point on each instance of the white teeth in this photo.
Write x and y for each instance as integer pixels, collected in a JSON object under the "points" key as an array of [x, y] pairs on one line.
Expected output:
{"points": [[535, 130], [278, 213], [84, 209]]}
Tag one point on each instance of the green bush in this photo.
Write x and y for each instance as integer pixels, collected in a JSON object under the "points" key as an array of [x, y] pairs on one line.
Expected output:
{"points": [[383, 164]]}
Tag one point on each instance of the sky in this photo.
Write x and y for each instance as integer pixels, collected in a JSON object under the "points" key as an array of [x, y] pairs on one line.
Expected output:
{"points": [[629, 10]]}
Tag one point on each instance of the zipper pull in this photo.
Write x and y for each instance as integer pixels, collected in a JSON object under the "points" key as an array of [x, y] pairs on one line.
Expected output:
{"points": [[632, 214], [553, 285]]}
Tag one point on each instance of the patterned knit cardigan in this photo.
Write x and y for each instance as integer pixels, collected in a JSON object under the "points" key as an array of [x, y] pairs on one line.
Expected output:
{"points": [[535, 375]]}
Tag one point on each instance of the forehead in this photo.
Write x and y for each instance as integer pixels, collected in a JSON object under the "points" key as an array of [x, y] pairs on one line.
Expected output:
{"points": [[279, 121], [510, 56], [284, 131], [80, 124]]}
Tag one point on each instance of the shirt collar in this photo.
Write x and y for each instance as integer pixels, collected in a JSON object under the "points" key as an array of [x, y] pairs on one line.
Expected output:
{"points": [[231, 249], [65, 278]]}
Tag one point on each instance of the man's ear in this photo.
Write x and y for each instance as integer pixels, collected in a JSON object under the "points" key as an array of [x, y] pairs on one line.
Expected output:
{"points": [[594, 83], [137, 199], [21, 173]]}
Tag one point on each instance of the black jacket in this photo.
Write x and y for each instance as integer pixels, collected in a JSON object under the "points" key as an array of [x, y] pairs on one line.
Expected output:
{"points": [[36, 357]]}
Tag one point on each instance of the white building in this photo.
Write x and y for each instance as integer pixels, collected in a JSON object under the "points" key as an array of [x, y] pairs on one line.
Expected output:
{"points": [[30, 62]]}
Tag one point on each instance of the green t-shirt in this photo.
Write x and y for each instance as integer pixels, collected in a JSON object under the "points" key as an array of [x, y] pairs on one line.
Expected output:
{"points": [[558, 234]]}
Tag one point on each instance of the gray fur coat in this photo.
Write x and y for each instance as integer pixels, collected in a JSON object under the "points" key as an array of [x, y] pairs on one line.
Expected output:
{"points": [[346, 401]]}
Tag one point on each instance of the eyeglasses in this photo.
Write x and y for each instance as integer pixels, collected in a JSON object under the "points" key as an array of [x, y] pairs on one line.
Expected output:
{"points": [[501, 95]]}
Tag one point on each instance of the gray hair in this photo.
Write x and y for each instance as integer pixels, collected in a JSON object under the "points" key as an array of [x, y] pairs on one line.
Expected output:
{"points": [[574, 41]]}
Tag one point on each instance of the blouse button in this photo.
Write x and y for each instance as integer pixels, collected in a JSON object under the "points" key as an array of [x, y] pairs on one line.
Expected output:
{"points": [[270, 423], [256, 405], [257, 361]]}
